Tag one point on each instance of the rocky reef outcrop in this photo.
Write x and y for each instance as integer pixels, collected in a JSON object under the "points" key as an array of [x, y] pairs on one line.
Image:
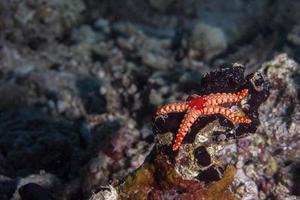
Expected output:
{"points": [[195, 171]]}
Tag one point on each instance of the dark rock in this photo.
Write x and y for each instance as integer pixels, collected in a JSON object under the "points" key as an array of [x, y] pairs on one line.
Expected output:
{"points": [[7, 188], [202, 156], [33, 191]]}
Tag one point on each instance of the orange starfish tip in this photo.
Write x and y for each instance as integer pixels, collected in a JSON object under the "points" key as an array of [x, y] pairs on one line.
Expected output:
{"points": [[246, 120], [175, 147], [243, 93]]}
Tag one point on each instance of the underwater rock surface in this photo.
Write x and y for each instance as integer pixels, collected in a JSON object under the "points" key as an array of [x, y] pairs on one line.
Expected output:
{"points": [[267, 162]]}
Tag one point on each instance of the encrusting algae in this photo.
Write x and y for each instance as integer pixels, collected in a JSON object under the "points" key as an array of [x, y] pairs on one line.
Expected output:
{"points": [[159, 180]]}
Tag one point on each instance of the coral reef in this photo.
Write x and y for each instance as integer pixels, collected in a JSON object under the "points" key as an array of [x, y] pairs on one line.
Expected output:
{"points": [[81, 80], [194, 172]]}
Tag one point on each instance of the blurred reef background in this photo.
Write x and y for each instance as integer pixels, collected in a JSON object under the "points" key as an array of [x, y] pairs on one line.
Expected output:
{"points": [[80, 82]]}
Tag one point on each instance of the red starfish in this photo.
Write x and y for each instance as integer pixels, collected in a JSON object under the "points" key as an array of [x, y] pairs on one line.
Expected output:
{"points": [[203, 105]]}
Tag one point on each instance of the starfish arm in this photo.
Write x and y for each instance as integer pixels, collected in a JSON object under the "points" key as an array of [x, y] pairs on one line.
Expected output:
{"points": [[189, 118], [227, 113], [220, 98], [173, 107]]}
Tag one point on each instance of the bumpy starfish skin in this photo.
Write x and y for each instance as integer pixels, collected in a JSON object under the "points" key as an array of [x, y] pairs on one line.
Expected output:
{"points": [[203, 105]]}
